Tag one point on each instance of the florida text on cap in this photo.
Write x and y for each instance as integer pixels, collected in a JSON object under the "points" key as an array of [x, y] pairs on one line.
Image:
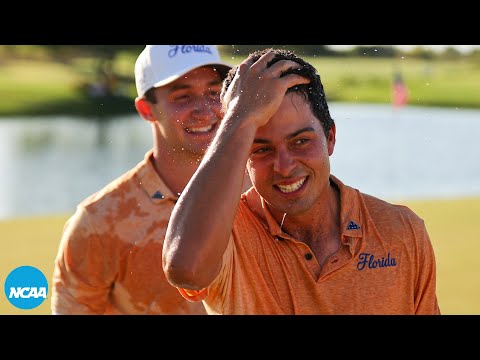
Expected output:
{"points": [[158, 65]]}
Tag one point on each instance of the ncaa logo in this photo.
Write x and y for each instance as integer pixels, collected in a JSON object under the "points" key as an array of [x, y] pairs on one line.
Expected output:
{"points": [[26, 287]]}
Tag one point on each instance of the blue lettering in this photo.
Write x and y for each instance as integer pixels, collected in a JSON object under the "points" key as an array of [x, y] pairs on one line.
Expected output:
{"points": [[362, 262], [173, 50], [186, 49], [369, 260]]}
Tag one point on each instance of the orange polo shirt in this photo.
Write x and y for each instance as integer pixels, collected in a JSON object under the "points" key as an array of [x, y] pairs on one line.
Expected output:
{"points": [[110, 256], [386, 264]]}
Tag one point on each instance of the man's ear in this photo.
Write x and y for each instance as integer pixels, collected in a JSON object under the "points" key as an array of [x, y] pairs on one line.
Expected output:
{"points": [[143, 108], [331, 139]]}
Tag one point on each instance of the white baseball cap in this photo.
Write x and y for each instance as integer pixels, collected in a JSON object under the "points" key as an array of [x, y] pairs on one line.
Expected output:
{"points": [[158, 65]]}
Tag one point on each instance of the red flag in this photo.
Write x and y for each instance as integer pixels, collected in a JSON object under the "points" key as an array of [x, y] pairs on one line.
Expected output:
{"points": [[400, 91]]}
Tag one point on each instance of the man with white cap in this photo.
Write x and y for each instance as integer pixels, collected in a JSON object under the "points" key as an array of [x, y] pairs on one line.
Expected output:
{"points": [[110, 256]]}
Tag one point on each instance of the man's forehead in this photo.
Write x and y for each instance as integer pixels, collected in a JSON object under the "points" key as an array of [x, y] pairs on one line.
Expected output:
{"points": [[204, 76]]}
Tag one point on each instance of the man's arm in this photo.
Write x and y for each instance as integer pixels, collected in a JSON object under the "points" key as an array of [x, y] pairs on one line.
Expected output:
{"points": [[202, 220], [80, 283]]}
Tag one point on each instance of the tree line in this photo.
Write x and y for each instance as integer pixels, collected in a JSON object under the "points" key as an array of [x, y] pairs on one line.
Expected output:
{"points": [[109, 52], [104, 56]]}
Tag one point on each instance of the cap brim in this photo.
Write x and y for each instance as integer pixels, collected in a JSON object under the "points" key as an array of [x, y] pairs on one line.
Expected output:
{"points": [[223, 69]]}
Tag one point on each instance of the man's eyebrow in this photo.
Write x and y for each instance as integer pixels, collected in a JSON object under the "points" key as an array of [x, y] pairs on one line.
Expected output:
{"points": [[298, 132], [291, 136], [260, 141], [182, 86]]}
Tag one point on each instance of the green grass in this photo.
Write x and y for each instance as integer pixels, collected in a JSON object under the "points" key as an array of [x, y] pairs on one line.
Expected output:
{"points": [[436, 83], [452, 225], [51, 88], [29, 241], [34, 88]]}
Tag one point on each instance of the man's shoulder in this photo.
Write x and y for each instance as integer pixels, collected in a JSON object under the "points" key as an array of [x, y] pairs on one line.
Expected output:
{"points": [[375, 206], [382, 207], [392, 221]]}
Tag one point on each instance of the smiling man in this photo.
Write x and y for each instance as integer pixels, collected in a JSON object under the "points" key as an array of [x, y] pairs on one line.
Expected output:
{"points": [[299, 241], [109, 258]]}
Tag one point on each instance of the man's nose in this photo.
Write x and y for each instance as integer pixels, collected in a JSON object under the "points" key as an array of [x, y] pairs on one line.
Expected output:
{"points": [[284, 162], [204, 107]]}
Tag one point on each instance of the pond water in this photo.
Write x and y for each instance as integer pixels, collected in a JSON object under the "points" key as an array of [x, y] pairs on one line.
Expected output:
{"points": [[48, 165]]}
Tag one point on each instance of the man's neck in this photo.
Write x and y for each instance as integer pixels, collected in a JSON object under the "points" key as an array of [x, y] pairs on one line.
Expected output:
{"points": [[322, 221], [175, 169], [320, 229]]}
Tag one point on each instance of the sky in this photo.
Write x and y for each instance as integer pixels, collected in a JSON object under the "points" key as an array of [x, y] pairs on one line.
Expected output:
{"points": [[461, 48]]}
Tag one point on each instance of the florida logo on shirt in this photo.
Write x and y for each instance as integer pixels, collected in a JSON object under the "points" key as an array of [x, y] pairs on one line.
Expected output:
{"points": [[369, 261]]}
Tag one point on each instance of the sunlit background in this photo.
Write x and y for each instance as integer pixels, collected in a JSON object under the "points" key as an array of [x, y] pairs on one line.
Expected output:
{"points": [[408, 119]]}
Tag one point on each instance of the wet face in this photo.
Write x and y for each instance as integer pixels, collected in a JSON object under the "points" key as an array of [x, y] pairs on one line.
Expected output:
{"points": [[289, 161], [188, 110]]}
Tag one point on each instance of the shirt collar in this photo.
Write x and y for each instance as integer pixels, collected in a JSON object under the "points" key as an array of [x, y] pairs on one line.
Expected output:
{"points": [[351, 219], [152, 183]]}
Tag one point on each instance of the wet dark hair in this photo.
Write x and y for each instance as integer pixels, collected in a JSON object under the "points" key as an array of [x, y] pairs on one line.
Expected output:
{"points": [[312, 92]]}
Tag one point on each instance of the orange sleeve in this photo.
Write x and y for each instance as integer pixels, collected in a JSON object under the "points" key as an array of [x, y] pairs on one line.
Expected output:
{"points": [[426, 302], [84, 269], [193, 295], [199, 295]]}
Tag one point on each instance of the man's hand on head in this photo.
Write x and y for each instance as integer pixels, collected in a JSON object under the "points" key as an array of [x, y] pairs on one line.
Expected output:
{"points": [[257, 90]]}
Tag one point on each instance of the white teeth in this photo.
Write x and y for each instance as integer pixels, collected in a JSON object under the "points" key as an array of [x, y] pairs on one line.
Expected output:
{"points": [[200, 129], [292, 187]]}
